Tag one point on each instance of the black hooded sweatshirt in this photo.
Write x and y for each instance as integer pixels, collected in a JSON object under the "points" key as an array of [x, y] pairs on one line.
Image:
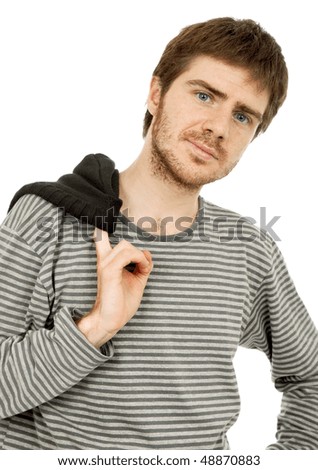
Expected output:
{"points": [[90, 193]]}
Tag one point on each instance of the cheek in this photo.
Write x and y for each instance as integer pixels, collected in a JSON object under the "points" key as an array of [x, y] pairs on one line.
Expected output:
{"points": [[241, 140], [236, 147], [181, 113], [177, 115]]}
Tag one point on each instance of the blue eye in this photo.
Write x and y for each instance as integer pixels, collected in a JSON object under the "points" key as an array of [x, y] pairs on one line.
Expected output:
{"points": [[203, 96], [242, 118]]}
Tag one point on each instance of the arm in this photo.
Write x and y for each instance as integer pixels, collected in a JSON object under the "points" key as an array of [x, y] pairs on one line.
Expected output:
{"points": [[37, 362], [41, 357], [280, 326]]}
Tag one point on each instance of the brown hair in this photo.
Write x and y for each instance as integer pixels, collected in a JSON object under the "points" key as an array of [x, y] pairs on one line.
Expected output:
{"points": [[243, 43]]}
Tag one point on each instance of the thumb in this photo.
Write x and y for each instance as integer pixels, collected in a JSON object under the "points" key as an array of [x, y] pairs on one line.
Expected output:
{"points": [[148, 256]]}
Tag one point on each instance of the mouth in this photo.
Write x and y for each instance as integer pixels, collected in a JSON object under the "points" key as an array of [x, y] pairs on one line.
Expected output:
{"points": [[202, 150]]}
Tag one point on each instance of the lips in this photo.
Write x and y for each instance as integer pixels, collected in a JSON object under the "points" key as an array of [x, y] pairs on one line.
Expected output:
{"points": [[211, 152]]}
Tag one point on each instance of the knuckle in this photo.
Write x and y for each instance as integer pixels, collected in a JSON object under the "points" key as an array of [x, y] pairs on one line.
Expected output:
{"points": [[125, 244]]}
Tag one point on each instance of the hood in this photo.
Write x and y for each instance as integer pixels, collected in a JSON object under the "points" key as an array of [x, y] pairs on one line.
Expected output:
{"points": [[90, 193]]}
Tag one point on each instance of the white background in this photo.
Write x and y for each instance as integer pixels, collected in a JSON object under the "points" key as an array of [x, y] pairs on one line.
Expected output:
{"points": [[74, 80]]}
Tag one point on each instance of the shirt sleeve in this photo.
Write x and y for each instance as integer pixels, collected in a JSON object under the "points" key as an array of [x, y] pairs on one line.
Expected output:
{"points": [[38, 360], [280, 326]]}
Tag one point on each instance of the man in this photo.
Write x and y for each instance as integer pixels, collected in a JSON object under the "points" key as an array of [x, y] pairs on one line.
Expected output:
{"points": [[138, 353]]}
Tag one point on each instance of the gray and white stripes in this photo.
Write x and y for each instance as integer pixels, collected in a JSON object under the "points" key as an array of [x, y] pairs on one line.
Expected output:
{"points": [[166, 380]]}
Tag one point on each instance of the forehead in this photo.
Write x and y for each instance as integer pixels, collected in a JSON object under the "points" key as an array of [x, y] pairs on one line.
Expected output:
{"points": [[212, 66]]}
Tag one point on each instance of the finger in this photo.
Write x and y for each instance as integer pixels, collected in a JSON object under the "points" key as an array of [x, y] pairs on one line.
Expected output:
{"points": [[145, 268], [118, 260], [131, 267], [102, 243], [148, 256]]}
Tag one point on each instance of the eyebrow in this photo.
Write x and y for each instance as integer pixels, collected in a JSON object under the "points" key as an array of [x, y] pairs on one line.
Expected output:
{"points": [[207, 86], [220, 94]]}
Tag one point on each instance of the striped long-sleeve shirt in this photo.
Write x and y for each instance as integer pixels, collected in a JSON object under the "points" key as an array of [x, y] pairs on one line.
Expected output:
{"points": [[166, 380]]}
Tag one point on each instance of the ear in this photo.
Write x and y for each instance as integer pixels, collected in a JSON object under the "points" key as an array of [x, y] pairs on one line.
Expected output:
{"points": [[154, 95]]}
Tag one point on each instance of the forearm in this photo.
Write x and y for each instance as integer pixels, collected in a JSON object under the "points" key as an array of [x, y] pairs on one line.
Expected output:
{"points": [[43, 364], [297, 427], [93, 329]]}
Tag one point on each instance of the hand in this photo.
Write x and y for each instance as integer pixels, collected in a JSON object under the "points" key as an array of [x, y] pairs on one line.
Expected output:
{"points": [[119, 292]]}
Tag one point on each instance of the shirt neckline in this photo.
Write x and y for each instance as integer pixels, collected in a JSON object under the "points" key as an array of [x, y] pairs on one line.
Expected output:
{"points": [[147, 236]]}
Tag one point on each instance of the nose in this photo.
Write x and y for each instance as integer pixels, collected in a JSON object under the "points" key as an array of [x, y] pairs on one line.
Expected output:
{"points": [[217, 124]]}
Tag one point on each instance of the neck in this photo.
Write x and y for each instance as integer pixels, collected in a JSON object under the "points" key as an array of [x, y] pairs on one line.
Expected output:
{"points": [[154, 203]]}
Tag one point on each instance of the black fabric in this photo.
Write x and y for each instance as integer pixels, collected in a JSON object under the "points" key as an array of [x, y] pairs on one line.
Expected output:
{"points": [[90, 193]]}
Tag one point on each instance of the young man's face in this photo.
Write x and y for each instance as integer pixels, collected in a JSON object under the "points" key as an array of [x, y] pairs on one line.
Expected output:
{"points": [[204, 122]]}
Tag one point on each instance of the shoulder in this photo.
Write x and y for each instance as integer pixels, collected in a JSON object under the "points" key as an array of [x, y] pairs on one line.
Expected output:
{"points": [[28, 210], [232, 228], [30, 218]]}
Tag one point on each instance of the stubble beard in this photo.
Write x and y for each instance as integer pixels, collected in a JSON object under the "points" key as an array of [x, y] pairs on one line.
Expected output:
{"points": [[166, 166]]}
